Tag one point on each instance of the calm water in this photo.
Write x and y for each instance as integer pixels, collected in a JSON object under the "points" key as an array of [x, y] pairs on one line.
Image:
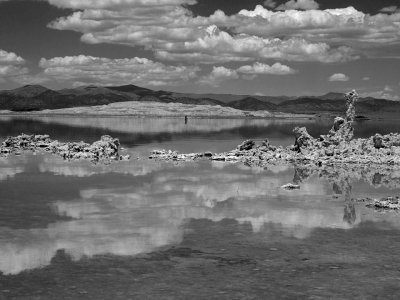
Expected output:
{"points": [[151, 230]]}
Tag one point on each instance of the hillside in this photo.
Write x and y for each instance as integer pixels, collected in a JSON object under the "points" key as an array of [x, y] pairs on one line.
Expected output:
{"points": [[252, 104], [36, 98]]}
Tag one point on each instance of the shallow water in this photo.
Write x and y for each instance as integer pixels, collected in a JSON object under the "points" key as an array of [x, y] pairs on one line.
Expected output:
{"points": [[149, 230]]}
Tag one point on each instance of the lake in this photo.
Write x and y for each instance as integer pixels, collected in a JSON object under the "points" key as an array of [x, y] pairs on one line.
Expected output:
{"points": [[145, 229]]}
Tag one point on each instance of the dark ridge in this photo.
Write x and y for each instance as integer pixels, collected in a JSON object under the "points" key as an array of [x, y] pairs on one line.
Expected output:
{"points": [[37, 97], [252, 104]]}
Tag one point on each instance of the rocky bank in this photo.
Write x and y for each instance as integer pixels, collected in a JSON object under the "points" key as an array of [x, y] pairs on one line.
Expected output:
{"points": [[335, 148], [335, 156], [105, 150]]}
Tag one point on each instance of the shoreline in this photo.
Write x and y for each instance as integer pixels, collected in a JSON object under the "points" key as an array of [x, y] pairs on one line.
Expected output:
{"points": [[55, 113], [335, 148]]}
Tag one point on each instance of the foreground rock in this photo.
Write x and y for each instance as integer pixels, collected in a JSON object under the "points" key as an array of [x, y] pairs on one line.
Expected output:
{"points": [[388, 203], [290, 186], [336, 148], [383, 204], [106, 149]]}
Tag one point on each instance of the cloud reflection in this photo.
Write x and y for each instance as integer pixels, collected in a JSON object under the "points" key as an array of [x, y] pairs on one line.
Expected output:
{"points": [[152, 212], [11, 166]]}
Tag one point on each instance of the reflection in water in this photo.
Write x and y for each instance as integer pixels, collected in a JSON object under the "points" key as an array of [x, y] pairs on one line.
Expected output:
{"points": [[140, 218], [350, 213], [57, 166], [141, 205], [9, 167], [343, 176]]}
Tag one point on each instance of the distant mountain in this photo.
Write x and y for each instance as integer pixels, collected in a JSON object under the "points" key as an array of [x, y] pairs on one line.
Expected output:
{"points": [[130, 88], [312, 105], [26, 91], [199, 101], [30, 98], [251, 103], [37, 97], [227, 98], [88, 90], [331, 96], [316, 105]]}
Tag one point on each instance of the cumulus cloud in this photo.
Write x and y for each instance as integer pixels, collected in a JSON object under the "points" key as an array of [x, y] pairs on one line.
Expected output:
{"points": [[339, 77], [390, 9], [262, 69], [344, 26], [270, 3], [10, 57], [221, 74], [299, 32], [220, 46], [174, 34], [11, 66], [99, 70], [299, 4], [218, 75]]}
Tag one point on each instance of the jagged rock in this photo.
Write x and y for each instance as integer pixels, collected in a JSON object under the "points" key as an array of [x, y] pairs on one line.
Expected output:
{"points": [[125, 157], [246, 145], [290, 186], [378, 141], [342, 130], [388, 203], [105, 149], [302, 138], [338, 122], [207, 154], [336, 148]]}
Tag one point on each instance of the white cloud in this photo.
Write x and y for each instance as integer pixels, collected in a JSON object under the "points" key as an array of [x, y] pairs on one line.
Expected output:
{"points": [[218, 75], [390, 9], [10, 58], [99, 70], [262, 69], [388, 88], [221, 74], [11, 66], [311, 23], [339, 77], [299, 4], [344, 26], [10, 70], [220, 46], [270, 3], [174, 34], [305, 32]]}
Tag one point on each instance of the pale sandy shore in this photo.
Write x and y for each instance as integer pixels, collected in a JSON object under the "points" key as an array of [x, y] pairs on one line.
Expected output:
{"points": [[157, 109]]}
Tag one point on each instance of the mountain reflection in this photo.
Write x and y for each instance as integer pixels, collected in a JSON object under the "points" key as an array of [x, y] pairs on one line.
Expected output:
{"points": [[152, 212]]}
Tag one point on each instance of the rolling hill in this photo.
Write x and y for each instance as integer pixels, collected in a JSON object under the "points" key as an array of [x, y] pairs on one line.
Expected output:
{"points": [[36, 97]]}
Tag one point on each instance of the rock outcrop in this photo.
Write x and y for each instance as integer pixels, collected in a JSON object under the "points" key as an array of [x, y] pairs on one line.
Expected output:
{"points": [[106, 149], [336, 148], [387, 203]]}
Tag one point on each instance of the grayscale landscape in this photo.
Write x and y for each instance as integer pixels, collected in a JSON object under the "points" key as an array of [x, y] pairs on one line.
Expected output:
{"points": [[199, 149]]}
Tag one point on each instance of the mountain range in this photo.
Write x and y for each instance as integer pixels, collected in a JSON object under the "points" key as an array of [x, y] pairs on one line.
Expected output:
{"points": [[36, 97]]}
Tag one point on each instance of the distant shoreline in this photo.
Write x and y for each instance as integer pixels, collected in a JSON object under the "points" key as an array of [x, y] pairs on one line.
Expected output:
{"points": [[160, 110], [273, 116], [285, 116]]}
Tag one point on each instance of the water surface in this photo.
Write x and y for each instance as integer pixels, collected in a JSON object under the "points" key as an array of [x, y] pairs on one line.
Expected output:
{"points": [[149, 229]]}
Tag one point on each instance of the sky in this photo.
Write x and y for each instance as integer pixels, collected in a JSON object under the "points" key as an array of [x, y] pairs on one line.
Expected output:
{"points": [[255, 47]]}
